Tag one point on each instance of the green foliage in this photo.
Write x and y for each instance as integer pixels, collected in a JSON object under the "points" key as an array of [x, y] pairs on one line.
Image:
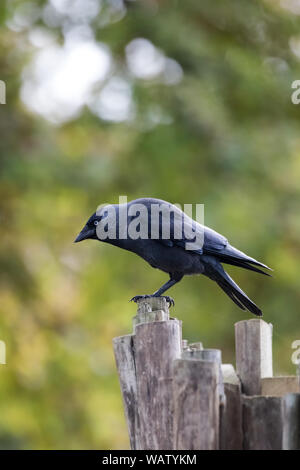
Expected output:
{"points": [[226, 135]]}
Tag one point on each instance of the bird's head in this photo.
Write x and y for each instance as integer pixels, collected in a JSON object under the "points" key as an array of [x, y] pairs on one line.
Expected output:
{"points": [[89, 230]]}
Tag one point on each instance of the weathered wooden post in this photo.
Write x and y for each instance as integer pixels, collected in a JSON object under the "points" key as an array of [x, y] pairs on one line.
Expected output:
{"points": [[231, 431], [196, 351], [262, 423], [124, 355], [197, 385], [291, 421], [261, 415], [144, 361], [253, 344]]}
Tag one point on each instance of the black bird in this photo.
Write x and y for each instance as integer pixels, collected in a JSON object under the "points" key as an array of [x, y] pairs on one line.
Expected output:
{"points": [[171, 253]]}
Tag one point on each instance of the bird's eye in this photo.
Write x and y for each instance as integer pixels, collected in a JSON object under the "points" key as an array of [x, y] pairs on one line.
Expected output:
{"points": [[96, 222]]}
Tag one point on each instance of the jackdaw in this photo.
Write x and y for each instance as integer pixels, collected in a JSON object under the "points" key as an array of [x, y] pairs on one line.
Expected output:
{"points": [[173, 242]]}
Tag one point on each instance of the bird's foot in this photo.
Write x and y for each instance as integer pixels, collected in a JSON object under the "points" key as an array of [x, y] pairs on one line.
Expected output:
{"points": [[136, 298], [170, 300]]}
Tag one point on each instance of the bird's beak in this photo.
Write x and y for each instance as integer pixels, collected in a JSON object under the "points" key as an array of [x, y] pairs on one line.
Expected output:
{"points": [[85, 233]]}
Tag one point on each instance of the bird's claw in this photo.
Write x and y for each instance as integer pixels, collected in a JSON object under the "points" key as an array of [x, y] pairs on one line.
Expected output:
{"points": [[170, 300], [136, 298]]}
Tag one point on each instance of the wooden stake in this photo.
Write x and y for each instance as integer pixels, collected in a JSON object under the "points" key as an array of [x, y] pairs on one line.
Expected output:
{"points": [[253, 339], [156, 345], [231, 432], [291, 421], [196, 397], [144, 361], [124, 355], [196, 351], [262, 423]]}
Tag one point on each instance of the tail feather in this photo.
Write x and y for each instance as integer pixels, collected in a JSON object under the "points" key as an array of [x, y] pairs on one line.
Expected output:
{"points": [[245, 265], [231, 255], [227, 284], [228, 291]]}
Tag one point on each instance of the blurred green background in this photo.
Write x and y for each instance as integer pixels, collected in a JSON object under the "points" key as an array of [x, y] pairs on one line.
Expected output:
{"points": [[185, 101]]}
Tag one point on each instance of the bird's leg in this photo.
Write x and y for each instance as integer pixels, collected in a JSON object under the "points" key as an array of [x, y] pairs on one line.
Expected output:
{"points": [[173, 280], [165, 287]]}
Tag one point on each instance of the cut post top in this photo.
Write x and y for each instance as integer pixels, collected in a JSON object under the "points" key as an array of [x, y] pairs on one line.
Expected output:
{"points": [[151, 309], [192, 350], [252, 321], [196, 346], [152, 304], [196, 351], [229, 375]]}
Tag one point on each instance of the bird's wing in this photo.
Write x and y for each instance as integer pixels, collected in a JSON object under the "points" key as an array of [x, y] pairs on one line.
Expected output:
{"points": [[184, 231], [235, 257], [218, 246], [188, 234]]}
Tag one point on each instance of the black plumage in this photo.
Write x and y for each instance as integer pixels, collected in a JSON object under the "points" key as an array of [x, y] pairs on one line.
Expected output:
{"points": [[170, 254]]}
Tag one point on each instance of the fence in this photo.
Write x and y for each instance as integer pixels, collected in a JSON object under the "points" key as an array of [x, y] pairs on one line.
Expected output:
{"points": [[180, 396]]}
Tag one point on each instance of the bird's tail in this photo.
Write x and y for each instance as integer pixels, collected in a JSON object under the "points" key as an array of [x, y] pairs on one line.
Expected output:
{"points": [[237, 258], [218, 274]]}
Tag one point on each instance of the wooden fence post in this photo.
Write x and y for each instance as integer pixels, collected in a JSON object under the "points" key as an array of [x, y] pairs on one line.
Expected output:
{"points": [[124, 355], [231, 431], [262, 423], [291, 421], [196, 351], [196, 416], [196, 385], [144, 361], [253, 340]]}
